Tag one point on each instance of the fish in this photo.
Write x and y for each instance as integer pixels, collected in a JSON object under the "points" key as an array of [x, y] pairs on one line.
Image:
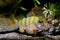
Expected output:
{"points": [[29, 25]]}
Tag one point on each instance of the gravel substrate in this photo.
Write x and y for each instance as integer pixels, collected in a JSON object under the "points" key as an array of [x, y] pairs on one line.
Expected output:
{"points": [[16, 36]]}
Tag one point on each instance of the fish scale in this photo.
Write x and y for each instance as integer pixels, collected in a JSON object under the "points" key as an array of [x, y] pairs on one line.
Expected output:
{"points": [[28, 24]]}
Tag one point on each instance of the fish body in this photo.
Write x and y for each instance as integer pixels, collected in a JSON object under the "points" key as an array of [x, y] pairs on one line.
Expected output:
{"points": [[30, 24]]}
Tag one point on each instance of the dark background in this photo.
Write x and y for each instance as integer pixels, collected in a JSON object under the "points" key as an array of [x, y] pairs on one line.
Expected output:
{"points": [[28, 4]]}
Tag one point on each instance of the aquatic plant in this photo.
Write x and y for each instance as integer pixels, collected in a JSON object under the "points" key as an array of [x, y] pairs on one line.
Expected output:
{"points": [[53, 9]]}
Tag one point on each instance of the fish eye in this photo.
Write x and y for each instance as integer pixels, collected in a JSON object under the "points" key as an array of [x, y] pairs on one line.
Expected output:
{"points": [[40, 21]]}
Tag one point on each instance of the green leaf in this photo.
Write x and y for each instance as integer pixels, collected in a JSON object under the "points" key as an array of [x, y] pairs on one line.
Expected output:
{"points": [[37, 2], [23, 8]]}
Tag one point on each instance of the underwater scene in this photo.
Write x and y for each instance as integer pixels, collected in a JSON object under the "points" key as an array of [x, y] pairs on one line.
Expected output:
{"points": [[29, 19]]}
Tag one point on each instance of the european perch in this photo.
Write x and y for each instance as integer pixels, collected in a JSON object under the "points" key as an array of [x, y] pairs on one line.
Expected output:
{"points": [[30, 24]]}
